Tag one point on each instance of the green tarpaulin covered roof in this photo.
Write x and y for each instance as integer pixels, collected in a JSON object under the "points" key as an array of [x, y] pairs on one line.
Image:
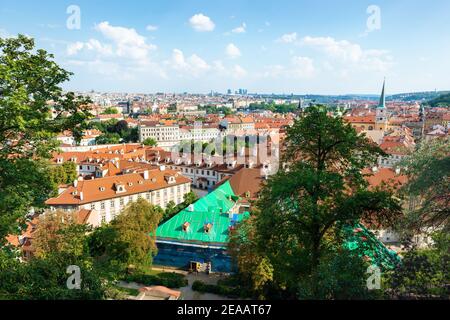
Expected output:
{"points": [[360, 238], [213, 209]]}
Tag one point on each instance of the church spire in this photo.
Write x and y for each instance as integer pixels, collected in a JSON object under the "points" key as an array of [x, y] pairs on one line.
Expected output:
{"points": [[382, 103]]}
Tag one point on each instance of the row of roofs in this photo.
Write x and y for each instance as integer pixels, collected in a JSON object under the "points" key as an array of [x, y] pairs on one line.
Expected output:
{"points": [[88, 191], [124, 151]]}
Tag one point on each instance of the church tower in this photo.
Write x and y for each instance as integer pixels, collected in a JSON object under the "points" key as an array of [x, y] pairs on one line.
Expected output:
{"points": [[381, 120]]}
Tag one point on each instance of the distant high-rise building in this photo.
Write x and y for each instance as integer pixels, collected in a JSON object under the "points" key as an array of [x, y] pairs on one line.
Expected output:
{"points": [[229, 91]]}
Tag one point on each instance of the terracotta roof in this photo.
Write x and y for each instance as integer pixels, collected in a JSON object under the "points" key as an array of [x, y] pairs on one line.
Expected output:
{"points": [[82, 216], [105, 188], [246, 180], [386, 175], [360, 119]]}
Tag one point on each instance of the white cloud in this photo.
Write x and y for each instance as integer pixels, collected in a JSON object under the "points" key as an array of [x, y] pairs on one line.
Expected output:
{"points": [[129, 44], [239, 72], [343, 50], [151, 28], [194, 65], [303, 67], [288, 37], [100, 67], [299, 67], [240, 29], [74, 48], [346, 52], [201, 23], [198, 63], [92, 45], [232, 51], [97, 46]]}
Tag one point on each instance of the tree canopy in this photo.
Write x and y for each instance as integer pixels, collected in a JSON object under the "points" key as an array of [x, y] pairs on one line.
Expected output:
{"points": [[33, 109], [130, 238], [303, 208]]}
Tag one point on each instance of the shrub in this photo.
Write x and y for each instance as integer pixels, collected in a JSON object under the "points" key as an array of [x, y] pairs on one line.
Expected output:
{"points": [[219, 289], [166, 279]]}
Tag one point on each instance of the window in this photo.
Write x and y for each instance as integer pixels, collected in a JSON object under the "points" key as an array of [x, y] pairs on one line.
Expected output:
{"points": [[102, 205], [112, 203], [93, 206], [121, 202]]}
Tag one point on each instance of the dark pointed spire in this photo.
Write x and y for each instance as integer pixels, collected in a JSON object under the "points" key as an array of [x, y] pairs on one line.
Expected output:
{"points": [[382, 103]]}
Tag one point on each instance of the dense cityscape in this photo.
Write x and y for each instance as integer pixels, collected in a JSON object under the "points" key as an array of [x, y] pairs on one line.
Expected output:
{"points": [[233, 195]]}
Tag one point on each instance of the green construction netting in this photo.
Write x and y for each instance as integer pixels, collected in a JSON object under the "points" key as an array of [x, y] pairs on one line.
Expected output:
{"points": [[211, 209], [360, 238]]}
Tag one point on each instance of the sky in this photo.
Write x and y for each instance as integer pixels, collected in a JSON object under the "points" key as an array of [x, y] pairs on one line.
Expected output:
{"points": [[264, 46]]}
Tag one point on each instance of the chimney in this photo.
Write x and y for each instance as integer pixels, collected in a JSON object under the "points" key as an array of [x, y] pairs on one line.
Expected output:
{"points": [[75, 183], [146, 175], [397, 171], [162, 168], [375, 169], [81, 196]]}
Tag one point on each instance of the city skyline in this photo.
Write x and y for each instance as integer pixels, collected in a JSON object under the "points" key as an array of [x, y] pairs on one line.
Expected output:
{"points": [[283, 47]]}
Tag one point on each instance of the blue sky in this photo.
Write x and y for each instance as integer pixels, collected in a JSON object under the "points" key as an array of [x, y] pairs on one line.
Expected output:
{"points": [[322, 47]]}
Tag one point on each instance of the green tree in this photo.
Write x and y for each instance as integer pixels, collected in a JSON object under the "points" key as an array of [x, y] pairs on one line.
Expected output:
{"points": [[59, 233], [189, 198], [304, 207], [150, 142], [423, 273], [428, 170], [70, 169], [108, 138], [131, 236], [255, 270], [110, 110], [33, 109], [46, 279], [59, 241], [57, 175]]}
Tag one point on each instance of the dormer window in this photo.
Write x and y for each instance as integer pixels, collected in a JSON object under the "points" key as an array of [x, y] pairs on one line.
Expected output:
{"points": [[207, 227], [102, 188], [186, 226], [130, 184], [170, 179], [141, 182], [119, 188]]}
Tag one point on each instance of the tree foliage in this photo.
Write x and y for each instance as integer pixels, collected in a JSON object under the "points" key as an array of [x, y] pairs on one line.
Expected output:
{"points": [[130, 238], [428, 170], [303, 208], [33, 109], [150, 142]]}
